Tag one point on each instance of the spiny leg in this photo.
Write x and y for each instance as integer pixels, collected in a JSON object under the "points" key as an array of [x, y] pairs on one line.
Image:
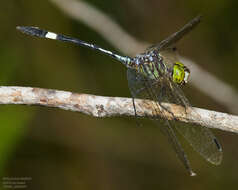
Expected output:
{"points": [[136, 116], [134, 106], [161, 105]]}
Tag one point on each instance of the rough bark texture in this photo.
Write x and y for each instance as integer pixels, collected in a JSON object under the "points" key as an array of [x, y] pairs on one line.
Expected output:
{"points": [[100, 106]]}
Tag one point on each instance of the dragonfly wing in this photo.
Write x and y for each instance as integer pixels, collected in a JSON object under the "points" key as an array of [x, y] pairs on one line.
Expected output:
{"points": [[164, 89], [142, 87], [175, 37], [203, 141], [172, 138], [136, 84], [199, 137]]}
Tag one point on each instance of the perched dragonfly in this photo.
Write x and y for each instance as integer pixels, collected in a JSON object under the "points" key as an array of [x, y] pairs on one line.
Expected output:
{"points": [[158, 75]]}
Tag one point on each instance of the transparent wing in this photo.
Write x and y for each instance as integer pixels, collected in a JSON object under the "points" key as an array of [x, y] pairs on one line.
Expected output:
{"points": [[200, 138], [141, 87], [175, 37], [164, 90]]}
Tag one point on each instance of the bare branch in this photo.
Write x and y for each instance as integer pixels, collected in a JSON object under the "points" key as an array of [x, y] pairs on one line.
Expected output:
{"points": [[120, 39], [99, 106]]}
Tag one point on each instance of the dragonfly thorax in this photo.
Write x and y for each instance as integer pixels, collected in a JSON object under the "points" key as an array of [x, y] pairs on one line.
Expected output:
{"points": [[149, 64], [153, 66]]}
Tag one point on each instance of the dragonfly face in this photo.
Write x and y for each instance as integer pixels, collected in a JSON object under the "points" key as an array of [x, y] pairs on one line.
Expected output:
{"points": [[180, 73]]}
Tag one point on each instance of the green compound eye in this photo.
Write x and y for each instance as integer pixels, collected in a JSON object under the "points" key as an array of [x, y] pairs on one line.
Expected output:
{"points": [[180, 73]]}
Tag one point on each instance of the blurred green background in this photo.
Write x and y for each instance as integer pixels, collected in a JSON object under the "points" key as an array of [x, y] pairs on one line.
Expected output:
{"points": [[64, 150]]}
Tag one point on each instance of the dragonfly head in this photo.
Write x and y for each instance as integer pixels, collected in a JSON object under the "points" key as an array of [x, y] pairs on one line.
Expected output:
{"points": [[180, 73]]}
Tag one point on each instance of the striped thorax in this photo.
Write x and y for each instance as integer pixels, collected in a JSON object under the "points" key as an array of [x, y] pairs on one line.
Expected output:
{"points": [[152, 65]]}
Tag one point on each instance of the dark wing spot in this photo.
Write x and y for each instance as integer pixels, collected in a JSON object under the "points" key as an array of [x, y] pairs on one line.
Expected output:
{"points": [[174, 49], [217, 144]]}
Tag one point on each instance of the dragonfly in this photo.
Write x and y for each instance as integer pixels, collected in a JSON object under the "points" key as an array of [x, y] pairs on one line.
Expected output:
{"points": [[158, 75]]}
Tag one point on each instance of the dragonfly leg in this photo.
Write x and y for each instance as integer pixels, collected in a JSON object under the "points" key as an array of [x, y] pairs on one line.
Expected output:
{"points": [[136, 116], [166, 109], [134, 106], [144, 88]]}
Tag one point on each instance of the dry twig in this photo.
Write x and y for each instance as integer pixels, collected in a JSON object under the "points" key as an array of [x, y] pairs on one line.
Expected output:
{"points": [[100, 106]]}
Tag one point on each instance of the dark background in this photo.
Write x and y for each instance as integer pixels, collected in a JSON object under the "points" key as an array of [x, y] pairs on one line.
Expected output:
{"points": [[65, 150]]}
